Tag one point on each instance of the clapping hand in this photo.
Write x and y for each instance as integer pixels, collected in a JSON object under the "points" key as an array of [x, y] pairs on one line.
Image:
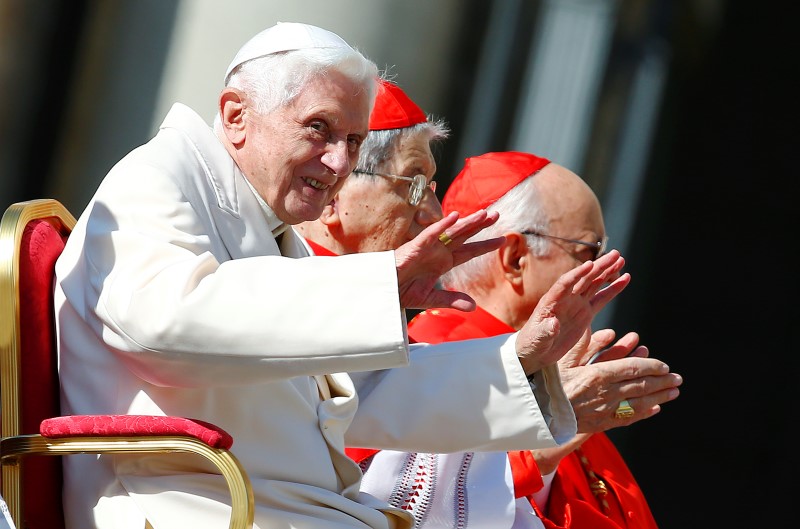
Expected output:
{"points": [[565, 312]]}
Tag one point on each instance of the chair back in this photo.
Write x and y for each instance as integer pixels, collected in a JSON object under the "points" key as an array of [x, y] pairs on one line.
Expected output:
{"points": [[32, 236], [32, 432]]}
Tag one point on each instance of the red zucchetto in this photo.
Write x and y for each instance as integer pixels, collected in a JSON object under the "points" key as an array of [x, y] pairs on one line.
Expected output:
{"points": [[394, 109], [487, 177]]}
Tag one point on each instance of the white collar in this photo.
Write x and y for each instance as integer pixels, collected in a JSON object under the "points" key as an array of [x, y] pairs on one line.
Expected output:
{"points": [[276, 225]]}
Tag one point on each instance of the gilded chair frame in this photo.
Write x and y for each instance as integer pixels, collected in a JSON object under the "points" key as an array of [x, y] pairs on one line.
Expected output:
{"points": [[14, 445]]}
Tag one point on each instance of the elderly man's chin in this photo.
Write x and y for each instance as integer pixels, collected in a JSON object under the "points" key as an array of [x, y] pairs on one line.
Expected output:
{"points": [[301, 209]]}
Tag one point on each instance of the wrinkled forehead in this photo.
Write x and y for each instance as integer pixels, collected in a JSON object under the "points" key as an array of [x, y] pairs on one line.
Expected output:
{"points": [[336, 99]]}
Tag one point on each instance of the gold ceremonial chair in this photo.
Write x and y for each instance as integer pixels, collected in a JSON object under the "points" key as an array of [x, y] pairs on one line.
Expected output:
{"points": [[32, 236]]}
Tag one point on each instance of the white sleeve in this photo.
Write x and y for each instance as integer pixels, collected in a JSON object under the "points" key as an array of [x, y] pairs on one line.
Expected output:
{"points": [[180, 312], [542, 495], [474, 387]]}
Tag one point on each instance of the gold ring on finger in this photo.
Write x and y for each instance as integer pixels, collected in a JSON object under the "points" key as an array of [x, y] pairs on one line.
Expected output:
{"points": [[624, 410]]}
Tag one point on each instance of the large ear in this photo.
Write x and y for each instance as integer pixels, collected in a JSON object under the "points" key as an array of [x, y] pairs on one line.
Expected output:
{"points": [[231, 111], [330, 213], [513, 257]]}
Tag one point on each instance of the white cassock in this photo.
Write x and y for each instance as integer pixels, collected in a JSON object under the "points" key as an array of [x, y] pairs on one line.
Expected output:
{"points": [[174, 297]]}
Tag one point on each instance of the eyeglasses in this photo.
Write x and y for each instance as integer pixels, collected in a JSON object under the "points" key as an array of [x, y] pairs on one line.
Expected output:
{"points": [[416, 188], [598, 248]]}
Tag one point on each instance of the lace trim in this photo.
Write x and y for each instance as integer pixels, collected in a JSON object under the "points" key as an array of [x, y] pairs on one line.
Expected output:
{"points": [[416, 486], [462, 509]]}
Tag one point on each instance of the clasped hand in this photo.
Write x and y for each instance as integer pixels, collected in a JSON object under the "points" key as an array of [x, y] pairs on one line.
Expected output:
{"points": [[623, 370]]}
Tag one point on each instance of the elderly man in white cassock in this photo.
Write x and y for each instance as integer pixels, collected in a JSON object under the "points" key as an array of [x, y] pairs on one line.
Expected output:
{"points": [[184, 290]]}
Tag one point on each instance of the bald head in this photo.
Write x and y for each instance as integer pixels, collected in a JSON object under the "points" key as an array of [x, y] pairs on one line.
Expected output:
{"points": [[536, 217], [572, 208]]}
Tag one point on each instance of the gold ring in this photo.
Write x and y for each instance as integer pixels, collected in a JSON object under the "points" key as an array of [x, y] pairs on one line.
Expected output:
{"points": [[445, 238], [624, 410]]}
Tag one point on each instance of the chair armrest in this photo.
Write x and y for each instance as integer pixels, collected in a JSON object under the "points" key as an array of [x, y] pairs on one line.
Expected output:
{"points": [[134, 425], [136, 434]]}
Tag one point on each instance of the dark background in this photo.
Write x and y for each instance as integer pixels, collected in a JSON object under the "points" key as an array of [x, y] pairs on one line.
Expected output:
{"points": [[719, 299]]}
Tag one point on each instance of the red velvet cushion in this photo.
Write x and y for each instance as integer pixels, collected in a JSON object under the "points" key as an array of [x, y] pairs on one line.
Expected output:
{"points": [[135, 425], [41, 482], [41, 246]]}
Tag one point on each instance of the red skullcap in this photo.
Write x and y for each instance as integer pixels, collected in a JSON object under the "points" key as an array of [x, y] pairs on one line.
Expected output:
{"points": [[486, 178], [394, 109]]}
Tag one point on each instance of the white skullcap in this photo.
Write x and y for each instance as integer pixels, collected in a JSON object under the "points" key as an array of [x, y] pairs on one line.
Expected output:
{"points": [[285, 36]]}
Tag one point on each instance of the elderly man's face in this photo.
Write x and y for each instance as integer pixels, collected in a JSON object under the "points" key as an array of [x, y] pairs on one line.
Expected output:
{"points": [[574, 213], [374, 212], [298, 156]]}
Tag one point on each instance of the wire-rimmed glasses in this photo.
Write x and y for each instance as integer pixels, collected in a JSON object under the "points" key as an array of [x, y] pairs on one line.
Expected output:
{"points": [[416, 188], [598, 248]]}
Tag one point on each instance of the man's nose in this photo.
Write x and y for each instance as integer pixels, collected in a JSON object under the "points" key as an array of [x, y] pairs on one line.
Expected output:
{"points": [[337, 157], [429, 209]]}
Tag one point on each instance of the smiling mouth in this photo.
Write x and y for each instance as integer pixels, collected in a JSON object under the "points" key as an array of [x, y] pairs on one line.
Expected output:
{"points": [[316, 184]]}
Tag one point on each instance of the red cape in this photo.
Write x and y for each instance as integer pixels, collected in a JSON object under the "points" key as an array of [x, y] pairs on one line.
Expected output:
{"points": [[319, 250], [572, 503]]}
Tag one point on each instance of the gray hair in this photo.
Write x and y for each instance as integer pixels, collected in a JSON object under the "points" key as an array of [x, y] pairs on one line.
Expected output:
{"points": [[521, 209], [381, 145], [275, 80]]}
